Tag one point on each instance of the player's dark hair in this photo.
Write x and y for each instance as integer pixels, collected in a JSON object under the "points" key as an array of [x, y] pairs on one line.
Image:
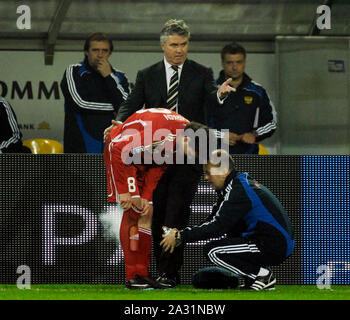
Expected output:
{"points": [[195, 126], [203, 138], [233, 48], [97, 36]]}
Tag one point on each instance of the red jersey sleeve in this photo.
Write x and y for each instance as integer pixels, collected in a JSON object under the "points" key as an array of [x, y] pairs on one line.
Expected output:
{"points": [[124, 175]]}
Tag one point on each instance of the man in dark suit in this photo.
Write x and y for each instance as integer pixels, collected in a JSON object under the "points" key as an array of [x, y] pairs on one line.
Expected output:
{"points": [[184, 86]]}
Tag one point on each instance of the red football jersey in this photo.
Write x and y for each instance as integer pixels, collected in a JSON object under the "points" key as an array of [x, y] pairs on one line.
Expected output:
{"points": [[134, 151]]}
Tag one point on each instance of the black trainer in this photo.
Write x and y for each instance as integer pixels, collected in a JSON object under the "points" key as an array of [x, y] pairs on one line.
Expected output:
{"points": [[264, 282], [139, 283], [166, 282]]}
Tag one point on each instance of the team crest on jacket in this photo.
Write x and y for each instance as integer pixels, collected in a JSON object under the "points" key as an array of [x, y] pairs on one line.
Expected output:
{"points": [[248, 99]]}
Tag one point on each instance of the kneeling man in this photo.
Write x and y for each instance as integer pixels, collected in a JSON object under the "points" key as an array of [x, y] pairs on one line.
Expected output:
{"points": [[256, 230]]}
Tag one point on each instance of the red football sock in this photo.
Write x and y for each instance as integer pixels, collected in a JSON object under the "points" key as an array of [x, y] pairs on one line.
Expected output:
{"points": [[128, 229], [144, 254]]}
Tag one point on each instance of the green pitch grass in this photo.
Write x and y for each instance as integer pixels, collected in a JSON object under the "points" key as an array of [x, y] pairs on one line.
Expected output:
{"points": [[184, 292]]}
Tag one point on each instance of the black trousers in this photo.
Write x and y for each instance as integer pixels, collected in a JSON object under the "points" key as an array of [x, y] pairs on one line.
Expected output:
{"points": [[171, 201], [241, 255]]}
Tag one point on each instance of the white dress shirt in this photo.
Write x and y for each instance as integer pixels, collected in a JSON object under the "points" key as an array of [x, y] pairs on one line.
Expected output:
{"points": [[169, 71]]}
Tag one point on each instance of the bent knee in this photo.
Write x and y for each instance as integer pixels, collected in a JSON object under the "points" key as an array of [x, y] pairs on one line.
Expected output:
{"points": [[207, 249]]}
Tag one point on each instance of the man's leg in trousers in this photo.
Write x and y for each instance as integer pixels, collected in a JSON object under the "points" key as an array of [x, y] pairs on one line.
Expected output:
{"points": [[181, 190], [171, 263], [160, 196], [238, 255]]}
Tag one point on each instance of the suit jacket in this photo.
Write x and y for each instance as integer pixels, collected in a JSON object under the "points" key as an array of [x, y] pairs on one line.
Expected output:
{"points": [[196, 88]]}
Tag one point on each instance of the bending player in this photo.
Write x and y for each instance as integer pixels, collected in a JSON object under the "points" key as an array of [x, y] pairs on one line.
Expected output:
{"points": [[136, 155], [258, 231]]}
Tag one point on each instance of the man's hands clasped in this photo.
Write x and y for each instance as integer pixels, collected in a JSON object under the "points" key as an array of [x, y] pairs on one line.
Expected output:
{"points": [[142, 204]]}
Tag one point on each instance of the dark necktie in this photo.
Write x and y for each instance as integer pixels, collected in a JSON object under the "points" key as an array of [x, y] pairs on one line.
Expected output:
{"points": [[173, 89]]}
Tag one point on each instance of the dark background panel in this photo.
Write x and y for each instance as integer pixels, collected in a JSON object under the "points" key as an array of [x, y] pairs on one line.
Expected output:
{"points": [[50, 207]]}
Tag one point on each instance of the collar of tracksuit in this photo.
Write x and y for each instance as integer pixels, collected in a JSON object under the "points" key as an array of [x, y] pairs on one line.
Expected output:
{"points": [[234, 173]]}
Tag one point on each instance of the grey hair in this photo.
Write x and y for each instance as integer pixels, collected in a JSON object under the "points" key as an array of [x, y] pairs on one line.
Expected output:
{"points": [[174, 26]]}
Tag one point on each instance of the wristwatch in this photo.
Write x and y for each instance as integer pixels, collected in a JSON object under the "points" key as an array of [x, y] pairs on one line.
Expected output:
{"points": [[177, 239]]}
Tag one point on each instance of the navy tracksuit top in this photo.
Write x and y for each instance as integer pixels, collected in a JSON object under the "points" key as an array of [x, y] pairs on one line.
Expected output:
{"points": [[246, 208]]}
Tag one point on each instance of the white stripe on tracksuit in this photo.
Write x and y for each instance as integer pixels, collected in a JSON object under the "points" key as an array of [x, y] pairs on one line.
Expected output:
{"points": [[13, 123], [121, 89], [232, 249], [271, 125], [76, 97]]}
